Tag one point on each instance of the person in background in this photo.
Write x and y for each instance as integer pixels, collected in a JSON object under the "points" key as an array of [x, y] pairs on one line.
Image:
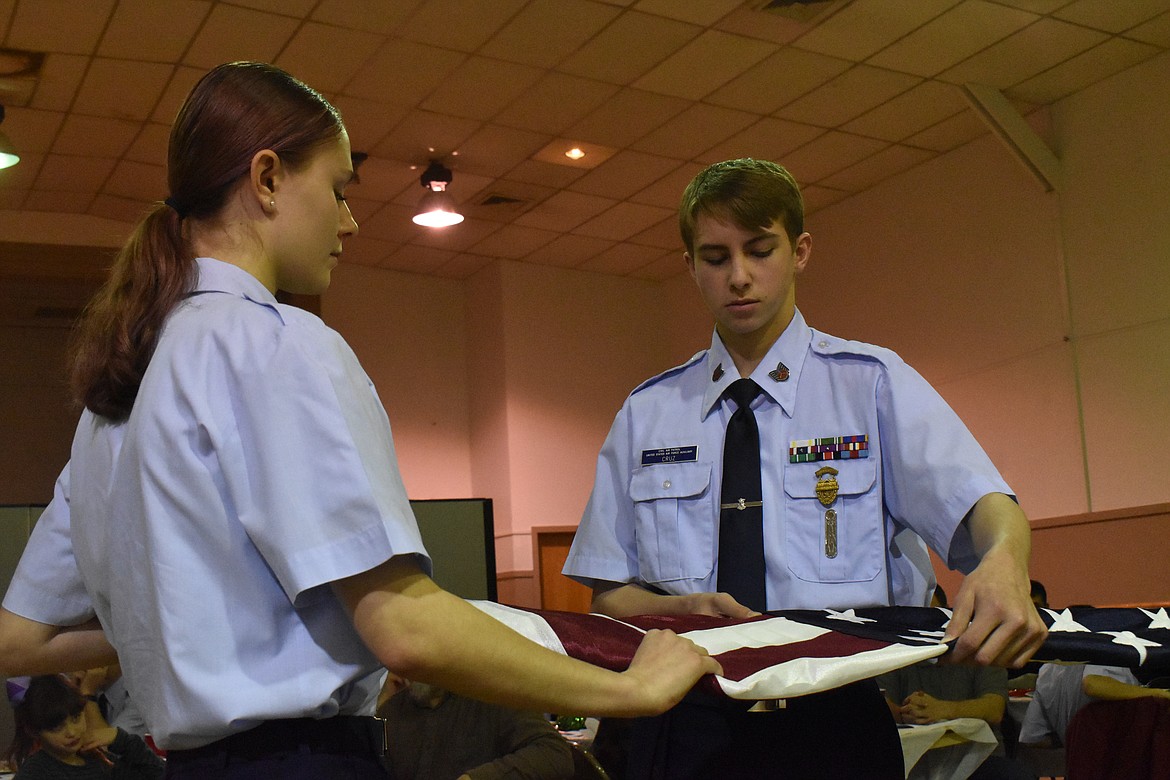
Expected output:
{"points": [[1063, 689], [232, 524], [1039, 594], [858, 461], [439, 735], [55, 740], [106, 691]]}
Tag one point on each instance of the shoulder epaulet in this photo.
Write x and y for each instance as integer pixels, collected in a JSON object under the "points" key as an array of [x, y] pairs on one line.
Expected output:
{"points": [[671, 371], [824, 344]]}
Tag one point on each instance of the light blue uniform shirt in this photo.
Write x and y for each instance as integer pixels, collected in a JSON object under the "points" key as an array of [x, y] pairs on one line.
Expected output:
{"points": [[255, 469], [652, 518]]}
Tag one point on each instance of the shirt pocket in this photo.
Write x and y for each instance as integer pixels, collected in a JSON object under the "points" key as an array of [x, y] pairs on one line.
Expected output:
{"points": [[860, 540], [673, 524]]}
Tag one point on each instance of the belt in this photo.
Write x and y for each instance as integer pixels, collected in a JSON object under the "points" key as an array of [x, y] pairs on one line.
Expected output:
{"points": [[341, 735]]}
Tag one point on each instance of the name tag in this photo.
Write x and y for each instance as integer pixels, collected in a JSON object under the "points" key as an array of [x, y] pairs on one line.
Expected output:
{"points": [[671, 455]]}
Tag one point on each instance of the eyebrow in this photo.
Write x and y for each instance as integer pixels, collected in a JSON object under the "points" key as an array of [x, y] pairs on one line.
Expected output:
{"points": [[749, 242]]}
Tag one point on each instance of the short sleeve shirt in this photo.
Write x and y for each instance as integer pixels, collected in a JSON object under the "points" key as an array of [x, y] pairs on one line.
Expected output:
{"points": [[256, 468], [652, 517]]}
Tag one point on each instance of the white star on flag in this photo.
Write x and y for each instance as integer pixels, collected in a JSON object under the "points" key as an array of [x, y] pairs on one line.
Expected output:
{"points": [[848, 615], [1063, 621], [1158, 619], [1133, 640]]}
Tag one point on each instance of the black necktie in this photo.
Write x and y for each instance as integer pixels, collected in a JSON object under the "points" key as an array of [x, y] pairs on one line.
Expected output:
{"points": [[741, 516]]}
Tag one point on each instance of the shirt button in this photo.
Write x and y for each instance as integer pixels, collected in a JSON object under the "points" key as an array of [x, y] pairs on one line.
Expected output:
{"points": [[666, 484], [823, 344]]}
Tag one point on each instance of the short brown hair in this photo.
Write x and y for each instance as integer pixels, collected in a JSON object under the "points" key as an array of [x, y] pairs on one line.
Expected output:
{"points": [[750, 193]]}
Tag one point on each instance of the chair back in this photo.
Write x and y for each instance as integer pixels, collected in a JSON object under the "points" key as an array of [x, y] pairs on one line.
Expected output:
{"points": [[1126, 740]]}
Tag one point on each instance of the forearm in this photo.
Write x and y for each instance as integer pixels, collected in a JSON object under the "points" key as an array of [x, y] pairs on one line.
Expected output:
{"points": [[1102, 687], [1000, 529], [988, 707], [30, 648], [424, 633], [619, 601]]}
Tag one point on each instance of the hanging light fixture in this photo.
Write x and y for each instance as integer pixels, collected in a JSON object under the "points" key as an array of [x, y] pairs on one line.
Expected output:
{"points": [[437, 208], [8, 155]]}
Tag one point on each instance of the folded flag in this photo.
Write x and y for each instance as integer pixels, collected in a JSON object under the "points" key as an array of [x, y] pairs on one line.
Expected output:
{"points": [[798, 652]]}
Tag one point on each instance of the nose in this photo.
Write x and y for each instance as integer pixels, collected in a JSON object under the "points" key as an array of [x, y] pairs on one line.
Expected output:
{"points": [[348, 226], [738, 275]]}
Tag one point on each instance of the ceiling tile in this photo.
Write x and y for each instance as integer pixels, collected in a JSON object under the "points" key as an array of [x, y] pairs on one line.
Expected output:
{"points": [[495, 200], [367, 122], [14, 199], [626, 117], [62, 26], [382, 180], [624, 174], [621, 259], [849, 95], [555, 102], [1034, 49], [122, 88], [704, 65], [423, 134], [416, 259], [695, 130], [1155, 31], [230, 34], [96, 136], [171, 24], [390, 223], [182, 81], [864, 27], [151, 145], [6, 7], [622, 221], [569, 251], [817, 197], [121, 209], [663, 234], [457, 24], [294, 8], [363, 250], [139, 181], [828, 154], [376, 16], [777, 28], [63, 202], [32, 130], [953, 37], [403, 73], [540, 172], [628, 48], [61, 77], [22, 176], [666, 266], [778, 80], [768, 139], [460, 237], [666, 192], [66, 173], [1100, 62], [348, 51], [513, 242], [463, 265], [949, 133], [911, 112], [481, 87], [888, 162], [494, 151], [564, 211], [545, 30], [704, 12], [1111, 16], [1036, 6]]}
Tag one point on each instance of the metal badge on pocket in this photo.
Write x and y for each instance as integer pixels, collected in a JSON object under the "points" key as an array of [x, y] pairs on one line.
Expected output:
{"points": [[827, 488]]}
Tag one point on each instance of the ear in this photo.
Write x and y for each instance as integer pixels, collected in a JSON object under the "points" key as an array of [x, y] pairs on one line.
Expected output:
{"points": [[266, 173], [802, 251], [690, 264]]}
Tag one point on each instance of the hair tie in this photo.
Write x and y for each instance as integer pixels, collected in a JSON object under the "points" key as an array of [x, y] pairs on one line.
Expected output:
{"points": [[174, 204]]}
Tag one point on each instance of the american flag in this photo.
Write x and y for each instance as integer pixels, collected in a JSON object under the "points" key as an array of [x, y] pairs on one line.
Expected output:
{"points": [[797, 652]]}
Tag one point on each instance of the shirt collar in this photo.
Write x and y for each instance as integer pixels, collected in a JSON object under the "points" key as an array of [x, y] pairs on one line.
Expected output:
{"points": [[218, 276], [790, 350]]}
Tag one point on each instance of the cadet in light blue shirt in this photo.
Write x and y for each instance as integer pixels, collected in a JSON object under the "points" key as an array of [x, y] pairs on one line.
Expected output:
{"points": [[232, 513], [838, 420]]}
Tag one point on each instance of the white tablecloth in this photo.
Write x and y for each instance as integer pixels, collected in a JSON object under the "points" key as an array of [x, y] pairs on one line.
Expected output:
{"points": [[948, 750]]}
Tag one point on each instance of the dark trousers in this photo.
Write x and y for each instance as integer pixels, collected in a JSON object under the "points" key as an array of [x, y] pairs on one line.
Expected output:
{"points": [[342, 748], [847, 733]]}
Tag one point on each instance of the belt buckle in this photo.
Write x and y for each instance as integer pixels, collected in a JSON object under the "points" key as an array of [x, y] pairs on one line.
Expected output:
{"points": [[769, 705]]}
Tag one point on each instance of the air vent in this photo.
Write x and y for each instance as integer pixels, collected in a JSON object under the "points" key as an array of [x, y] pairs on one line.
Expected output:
{"points": [[805, 11], [495, 199]]}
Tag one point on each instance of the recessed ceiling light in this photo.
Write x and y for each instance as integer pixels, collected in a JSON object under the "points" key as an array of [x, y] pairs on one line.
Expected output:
{"points": [[576, 153]]}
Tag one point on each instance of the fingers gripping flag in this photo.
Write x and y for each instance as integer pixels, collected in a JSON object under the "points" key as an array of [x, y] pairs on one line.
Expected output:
{"points": [[797, 652]]}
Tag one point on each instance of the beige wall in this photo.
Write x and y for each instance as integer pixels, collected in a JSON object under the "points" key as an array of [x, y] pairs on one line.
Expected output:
{"points": [[1043, 318]]}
